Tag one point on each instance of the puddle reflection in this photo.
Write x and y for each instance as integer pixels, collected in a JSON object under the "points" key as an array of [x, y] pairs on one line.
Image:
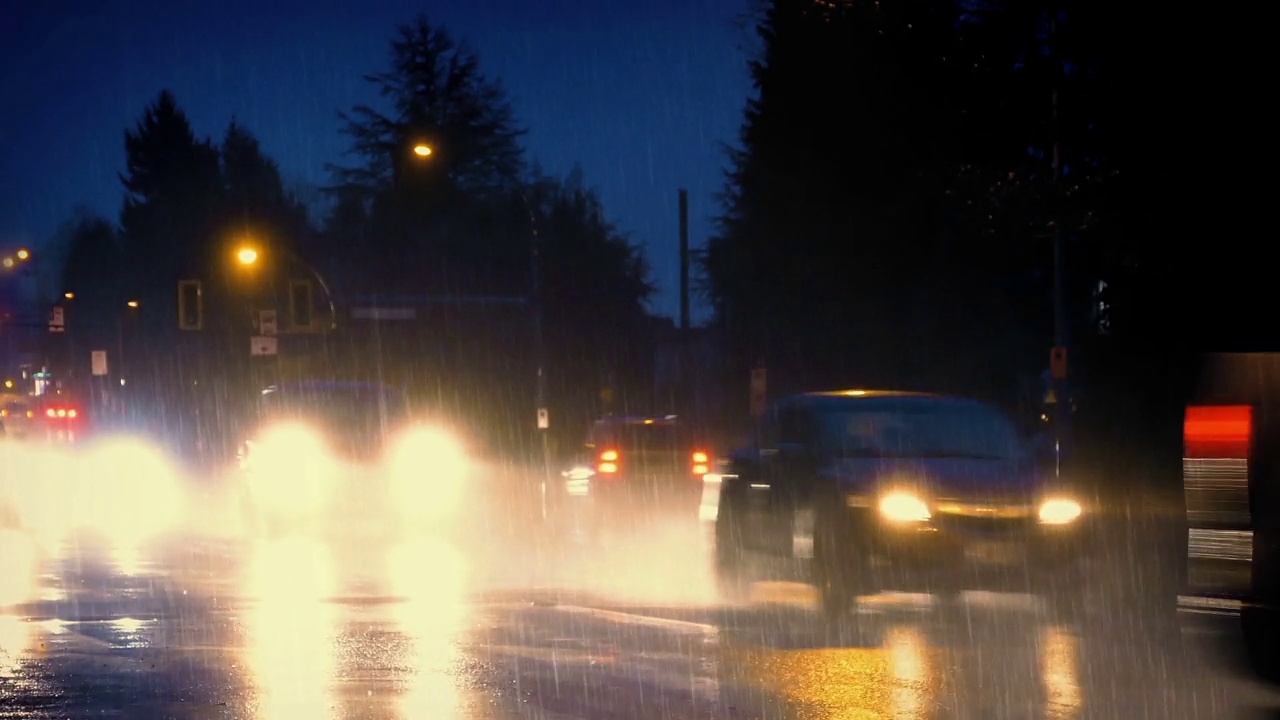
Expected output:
{"points": [[19, 568], [1060, 673], [433, 577], [903, 671], [909, 670], [16, 635], [292, 631]]}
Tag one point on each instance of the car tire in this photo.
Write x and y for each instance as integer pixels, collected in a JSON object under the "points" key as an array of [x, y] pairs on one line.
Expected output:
{"points": [[1261, 628], [840, 568], [728, 558]]}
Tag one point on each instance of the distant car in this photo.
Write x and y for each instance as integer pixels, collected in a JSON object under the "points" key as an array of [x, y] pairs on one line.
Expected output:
{"points": [[16, 419], [636, 468], [860, 491], [346, 455], [58, 419]]}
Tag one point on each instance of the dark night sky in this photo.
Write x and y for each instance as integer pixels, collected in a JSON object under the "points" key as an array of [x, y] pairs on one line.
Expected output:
{"points": [[641, 93]]}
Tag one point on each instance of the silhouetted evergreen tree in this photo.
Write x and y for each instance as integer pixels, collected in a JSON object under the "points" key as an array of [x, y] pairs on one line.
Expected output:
{"points": [[838, 258], [459, 223], [174, 195], [420, 207], [94, 274]]}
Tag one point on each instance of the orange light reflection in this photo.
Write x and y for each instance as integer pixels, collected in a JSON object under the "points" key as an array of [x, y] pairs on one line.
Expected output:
{"points": [[433, 578], [292, 630]]}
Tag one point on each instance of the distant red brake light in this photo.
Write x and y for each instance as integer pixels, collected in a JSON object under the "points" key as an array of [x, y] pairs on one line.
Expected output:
{"points": [[1221, 431], [608, 464], [701, 463]]}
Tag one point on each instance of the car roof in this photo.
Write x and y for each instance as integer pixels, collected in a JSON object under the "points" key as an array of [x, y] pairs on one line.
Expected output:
{"points": [[871, 394]]}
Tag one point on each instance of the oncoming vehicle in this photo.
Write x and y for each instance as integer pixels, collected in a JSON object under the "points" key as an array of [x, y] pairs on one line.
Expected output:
{"points": [[347, 456], [860, 491]]}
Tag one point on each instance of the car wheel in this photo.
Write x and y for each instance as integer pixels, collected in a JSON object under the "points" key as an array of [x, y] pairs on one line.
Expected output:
{"points": [[1260, 627], [840, 568], [729, 563]]}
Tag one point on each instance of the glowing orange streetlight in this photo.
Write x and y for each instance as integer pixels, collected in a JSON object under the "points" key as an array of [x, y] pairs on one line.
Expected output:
{"points": [[247, 255], [422, 150], [133, 304], [24, 254], [69, 295]]}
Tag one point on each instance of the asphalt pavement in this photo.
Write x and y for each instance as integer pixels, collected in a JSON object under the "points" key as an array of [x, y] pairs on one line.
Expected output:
{"points": [[497, 623]]}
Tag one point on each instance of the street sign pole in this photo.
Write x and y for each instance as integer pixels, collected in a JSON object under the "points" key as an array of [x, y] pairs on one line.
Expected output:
{"points": [[759, 384]]}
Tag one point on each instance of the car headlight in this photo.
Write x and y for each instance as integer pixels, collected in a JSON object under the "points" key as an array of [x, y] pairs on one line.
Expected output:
{"points": [[290, 468], [1059, 511], [904, 507], [430, 471]]}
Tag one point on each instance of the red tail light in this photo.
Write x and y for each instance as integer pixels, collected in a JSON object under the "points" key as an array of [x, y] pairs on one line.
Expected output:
{"points": [[608, 464], [1218, 431], [701, 463]]}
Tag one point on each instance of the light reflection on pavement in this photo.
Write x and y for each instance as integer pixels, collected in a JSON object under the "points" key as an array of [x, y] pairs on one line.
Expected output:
{"points": [[196, 625]]}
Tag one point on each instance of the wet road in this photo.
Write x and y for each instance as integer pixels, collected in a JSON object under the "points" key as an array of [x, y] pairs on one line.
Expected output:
{"points": [[204, 625]]}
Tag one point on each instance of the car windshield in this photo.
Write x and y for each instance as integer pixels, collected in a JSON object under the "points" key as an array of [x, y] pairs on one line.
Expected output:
{"points": [[352, 410], [918, 428]]}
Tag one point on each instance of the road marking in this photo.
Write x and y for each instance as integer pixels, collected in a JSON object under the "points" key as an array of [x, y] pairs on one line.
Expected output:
{"points": [[625, 618]]}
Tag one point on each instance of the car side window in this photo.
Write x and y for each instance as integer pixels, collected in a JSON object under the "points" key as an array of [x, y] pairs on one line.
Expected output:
{"points": [[795, 427], [767, 431]]}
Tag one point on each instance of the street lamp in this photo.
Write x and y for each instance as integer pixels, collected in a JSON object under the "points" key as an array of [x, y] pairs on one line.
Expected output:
{"points": [[422, 150], [19, 257], [248, 256]]}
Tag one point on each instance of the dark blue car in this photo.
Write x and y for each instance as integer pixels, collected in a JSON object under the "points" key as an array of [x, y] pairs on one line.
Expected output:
{"points": [[859, 491]]}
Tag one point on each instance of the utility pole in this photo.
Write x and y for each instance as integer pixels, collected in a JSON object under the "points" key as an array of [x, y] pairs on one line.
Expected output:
{"points": [[1059, 360], [684, 261]]}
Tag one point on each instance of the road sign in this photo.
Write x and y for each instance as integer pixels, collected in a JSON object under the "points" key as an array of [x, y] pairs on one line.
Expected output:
{"points": [[267, 324], [98, 362], [57, 320], [758, 385], [263, 345], [544, 419], [1058, 363]]}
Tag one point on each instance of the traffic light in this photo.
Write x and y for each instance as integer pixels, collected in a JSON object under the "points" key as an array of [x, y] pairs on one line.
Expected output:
{"points": [[190, 305], [300, 304]]}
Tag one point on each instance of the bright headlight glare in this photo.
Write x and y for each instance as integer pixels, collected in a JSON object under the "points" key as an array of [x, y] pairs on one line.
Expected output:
{"points": [[431, 468], [291, 467], [904, 507], [1059, 511]]}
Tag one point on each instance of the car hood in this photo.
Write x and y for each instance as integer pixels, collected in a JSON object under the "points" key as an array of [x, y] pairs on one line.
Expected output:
{"points": [[995, 480]]}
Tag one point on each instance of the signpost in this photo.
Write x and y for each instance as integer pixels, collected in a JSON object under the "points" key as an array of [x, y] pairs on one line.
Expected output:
{"points": [[544, 419], [57, 320], [1058, 363], [98, 362], [263, 345], [267, 323], [758, 395]]}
